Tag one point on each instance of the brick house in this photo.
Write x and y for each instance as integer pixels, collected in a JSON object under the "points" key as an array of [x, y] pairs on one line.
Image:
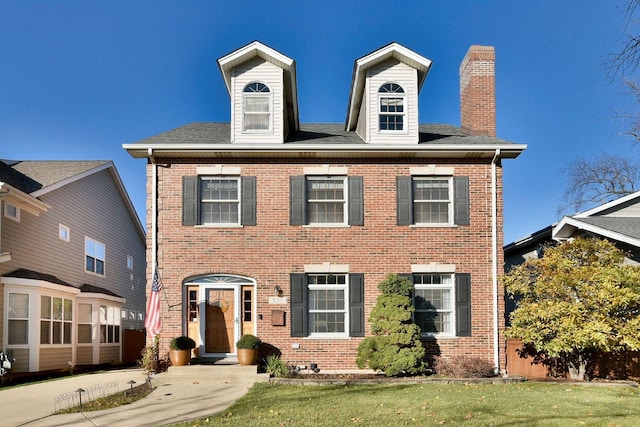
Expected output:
{"points": [[283, 230]]}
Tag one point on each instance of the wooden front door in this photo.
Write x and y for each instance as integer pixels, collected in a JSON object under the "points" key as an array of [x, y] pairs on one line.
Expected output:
{"points": [[220, 321]]}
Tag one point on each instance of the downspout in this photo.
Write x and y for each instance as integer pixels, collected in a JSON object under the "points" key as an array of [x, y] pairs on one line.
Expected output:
{"points": [[494, 258], [154, 212]]}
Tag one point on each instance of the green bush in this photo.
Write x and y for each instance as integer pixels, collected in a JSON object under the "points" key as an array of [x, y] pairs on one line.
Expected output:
{"points": [[276, 367], [182, 343], [395, 347], [248, 341]]}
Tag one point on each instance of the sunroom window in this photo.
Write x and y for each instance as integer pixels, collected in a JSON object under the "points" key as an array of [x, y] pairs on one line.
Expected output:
{"points": [[256, 107], [392, 111]]}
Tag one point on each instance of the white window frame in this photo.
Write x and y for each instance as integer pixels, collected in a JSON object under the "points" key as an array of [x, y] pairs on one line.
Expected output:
{"points": [[84, 322], [95, 256], [110, 324], [325, 287], [268, 95], [343, 201], [451, 311], [130, 262], [11, 317], [64, 232], [449, 201], [12, 212], [64, 321], [385, 95], [237, 200]]}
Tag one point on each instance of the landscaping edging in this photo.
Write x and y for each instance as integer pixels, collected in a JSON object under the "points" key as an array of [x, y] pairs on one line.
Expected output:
{"points": [[309, 380]]}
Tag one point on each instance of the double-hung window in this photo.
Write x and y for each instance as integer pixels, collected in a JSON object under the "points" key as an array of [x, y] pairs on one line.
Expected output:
{"points": [[327, 305], [434, 302], [433, 200], [219, 200], [56, 317], [326, 200], [328, 301], [109, 324], [392, 107], [18, 332], [256, 99], [95, 253], [85, 323]]}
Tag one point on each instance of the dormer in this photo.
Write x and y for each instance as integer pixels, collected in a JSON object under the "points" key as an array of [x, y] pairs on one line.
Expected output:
{"points": [[383, 102], [261, 83]]}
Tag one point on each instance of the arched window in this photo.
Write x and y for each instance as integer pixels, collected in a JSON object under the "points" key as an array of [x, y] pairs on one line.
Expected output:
{"points": [[392, 100], [257, 107]]}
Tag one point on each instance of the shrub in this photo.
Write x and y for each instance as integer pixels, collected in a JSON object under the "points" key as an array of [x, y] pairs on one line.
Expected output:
{"points": [[276, 367], [395, 347], [248, 341], [463, 367], [182, 343]]}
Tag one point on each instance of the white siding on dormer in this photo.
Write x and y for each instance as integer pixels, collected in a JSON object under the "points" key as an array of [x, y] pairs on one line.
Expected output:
{"points": [[392, 71], [258, 70]]}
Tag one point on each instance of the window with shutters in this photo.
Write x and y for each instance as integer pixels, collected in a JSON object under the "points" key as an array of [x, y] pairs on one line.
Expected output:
{"points": [[327, 305], [219, 201], [256, 99], [433, 201], [326, 200], [433, 300]]}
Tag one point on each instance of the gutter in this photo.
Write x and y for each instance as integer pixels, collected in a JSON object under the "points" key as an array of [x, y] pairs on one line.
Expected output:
{"points": [[494, 258]]}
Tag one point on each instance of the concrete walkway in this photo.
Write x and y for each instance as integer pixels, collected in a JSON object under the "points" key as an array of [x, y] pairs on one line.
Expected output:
{"points": [[179, 395]]}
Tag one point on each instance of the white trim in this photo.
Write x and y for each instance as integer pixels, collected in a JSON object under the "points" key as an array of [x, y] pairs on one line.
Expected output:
{"points": [[451, 287], [326, 267], [219, 170], [609, 205], [432, 170], [450, 202], [104, 261], [327, 170], [8, 214], [433, 267], [344, 200], [238, 201], [22, 200], [67, 233]]}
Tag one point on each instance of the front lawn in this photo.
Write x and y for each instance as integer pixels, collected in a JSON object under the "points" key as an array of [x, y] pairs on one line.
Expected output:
{"points": [[530, 404]]}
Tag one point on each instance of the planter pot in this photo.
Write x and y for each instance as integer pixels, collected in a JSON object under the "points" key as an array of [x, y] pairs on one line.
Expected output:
{"points": [[180, 357], [247, 356]]}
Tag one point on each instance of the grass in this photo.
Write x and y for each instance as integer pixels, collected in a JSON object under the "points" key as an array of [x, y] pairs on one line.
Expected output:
{"points": [[112, 401], [530, 404]]}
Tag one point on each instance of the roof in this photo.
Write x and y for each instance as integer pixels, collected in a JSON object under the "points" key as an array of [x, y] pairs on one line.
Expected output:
{"points": [[392, 50], [207, 139], [91, 289], [23, 273]]}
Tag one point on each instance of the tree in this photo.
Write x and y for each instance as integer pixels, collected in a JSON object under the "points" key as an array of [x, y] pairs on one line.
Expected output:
{"points": [[395, 347], [578, 299], [592, 183]]}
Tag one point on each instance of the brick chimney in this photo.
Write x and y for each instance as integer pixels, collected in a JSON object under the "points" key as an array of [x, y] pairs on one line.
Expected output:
{"points": [[477, 91]]}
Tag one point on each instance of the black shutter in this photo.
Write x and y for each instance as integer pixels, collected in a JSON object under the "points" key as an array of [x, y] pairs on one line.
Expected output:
{"points": [[356, 201], [461, 200], [463, 304], [189, 200], [248, 203], [404, 199], [356, 305], [299, 311], [297, 200]]}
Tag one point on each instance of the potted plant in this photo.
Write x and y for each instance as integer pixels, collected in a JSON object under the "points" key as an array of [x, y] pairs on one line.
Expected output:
{"points": [[247, 347], [180, 353]]}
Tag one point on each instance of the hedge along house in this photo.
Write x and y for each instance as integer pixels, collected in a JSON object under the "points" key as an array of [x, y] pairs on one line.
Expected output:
{"points": [[266, 226]]}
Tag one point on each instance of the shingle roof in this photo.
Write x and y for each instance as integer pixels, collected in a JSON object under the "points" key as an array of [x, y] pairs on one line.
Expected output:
{"points": [[331, 133], [629, 226], [23, 273], [87, 288], [33, 175]]}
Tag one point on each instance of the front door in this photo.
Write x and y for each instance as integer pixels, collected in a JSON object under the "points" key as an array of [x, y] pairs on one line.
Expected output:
{"points": [[220, 320]]}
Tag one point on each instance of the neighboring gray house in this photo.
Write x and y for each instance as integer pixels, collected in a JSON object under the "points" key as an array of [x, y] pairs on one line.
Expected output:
{"points": [[72, 264], [617, 221]]}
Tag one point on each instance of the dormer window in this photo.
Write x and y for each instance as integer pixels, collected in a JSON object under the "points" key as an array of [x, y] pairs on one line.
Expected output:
{"points": [[257, 107], [392, 100]]}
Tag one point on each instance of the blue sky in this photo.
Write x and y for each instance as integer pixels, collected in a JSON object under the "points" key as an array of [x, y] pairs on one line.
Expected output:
{"points": [[79, 78]]}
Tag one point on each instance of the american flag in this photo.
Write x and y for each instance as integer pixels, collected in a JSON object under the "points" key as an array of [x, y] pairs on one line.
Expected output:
{"points": [[153, 322]]}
